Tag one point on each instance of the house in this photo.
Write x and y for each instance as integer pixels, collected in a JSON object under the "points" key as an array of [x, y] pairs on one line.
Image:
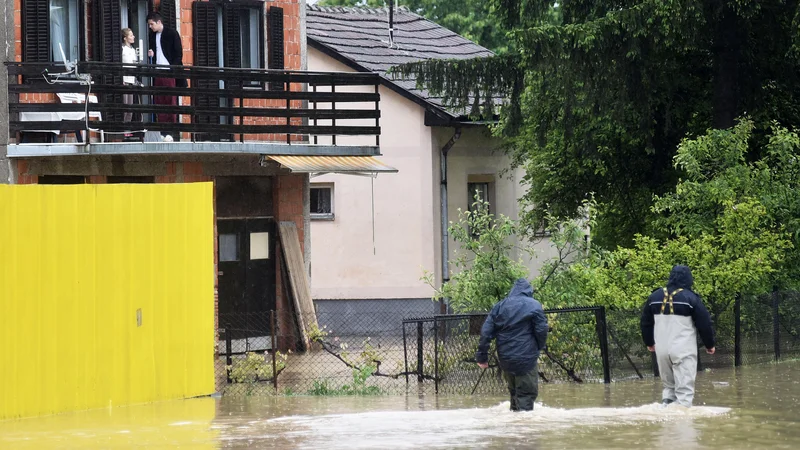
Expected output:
{"points": [[373, 238], [248, 122]]}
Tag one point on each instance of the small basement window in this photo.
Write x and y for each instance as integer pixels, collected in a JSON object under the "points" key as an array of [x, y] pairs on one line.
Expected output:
{"points": [[322, 202]]}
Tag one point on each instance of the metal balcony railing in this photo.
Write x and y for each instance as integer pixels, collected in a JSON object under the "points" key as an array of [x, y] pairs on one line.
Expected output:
{"points": [[219, 104]]}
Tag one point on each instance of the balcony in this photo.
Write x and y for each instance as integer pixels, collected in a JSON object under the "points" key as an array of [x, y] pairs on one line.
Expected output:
{"points": [[222, 111]]}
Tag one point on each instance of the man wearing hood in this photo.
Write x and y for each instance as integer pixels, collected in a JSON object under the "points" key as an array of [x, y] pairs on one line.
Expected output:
{"points": [[520, 327], [671, 320]]}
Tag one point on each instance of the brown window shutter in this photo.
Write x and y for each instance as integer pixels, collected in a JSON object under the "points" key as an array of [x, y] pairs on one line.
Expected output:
{"points": [[275, 33], [232, 36], [205, 55], [36, 31], [110, 25], [205, 34], [168, 12]]}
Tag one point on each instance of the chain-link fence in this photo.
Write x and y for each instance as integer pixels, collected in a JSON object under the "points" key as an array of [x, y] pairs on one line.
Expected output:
{"points": [[444, 346], [372, 351], [355, 351], [753, 329]]}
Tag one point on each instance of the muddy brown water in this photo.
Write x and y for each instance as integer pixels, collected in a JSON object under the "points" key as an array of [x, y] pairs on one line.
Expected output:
{"points": [[748, 408]]}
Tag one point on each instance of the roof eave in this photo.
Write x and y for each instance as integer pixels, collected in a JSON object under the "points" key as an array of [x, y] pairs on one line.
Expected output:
{"points": [[333, 53]]}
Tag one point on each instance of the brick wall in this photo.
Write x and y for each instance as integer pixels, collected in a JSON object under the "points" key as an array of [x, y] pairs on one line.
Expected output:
{"points": [[288, 201], [292, 60]]}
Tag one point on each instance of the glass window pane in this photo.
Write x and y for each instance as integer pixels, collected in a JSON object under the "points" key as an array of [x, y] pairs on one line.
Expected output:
{"points": [[228, 247], [259, 246], [478, 191], [64, 30], [321, 200]]}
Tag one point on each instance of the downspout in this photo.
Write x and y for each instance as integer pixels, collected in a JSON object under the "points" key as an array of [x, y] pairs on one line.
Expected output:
{"points": [[443, 193]]}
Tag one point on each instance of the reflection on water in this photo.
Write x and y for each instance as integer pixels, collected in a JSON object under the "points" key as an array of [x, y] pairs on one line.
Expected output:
{"points": [[752, 407], [158, 425]]}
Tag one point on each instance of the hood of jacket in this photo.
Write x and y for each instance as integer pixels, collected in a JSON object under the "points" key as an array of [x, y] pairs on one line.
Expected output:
{"points": [[521, 287], [680, 277]]}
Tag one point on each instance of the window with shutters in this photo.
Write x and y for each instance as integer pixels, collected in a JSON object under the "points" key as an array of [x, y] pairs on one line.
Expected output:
{"points": [[229, 34], [52, 30], [226, 34]]}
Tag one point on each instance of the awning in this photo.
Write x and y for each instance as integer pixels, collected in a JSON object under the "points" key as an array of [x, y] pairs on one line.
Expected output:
{"points": [[333, 164]]}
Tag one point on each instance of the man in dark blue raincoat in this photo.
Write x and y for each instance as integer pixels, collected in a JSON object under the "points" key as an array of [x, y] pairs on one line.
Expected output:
{"points": [[520, 327]]}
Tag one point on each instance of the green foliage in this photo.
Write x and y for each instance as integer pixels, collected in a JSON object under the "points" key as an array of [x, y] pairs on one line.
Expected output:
{"points": [[746, 206], [255, 368], [600, 98], [725, 223], [357, 387], [484, 273]]}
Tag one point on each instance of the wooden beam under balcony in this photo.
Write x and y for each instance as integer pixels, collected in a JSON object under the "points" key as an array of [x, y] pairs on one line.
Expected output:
{"points": [[188, 148]]}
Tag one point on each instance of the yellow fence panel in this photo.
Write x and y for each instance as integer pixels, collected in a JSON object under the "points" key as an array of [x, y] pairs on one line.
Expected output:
{"points": [[107, 295]]}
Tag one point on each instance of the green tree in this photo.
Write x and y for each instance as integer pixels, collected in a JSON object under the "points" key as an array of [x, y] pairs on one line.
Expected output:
{"points": [[734, 223], [483, 271], [598, 102], [718, 177]]}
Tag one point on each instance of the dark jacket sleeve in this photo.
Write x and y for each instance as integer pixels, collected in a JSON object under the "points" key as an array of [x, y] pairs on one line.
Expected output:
{"points": [[176, 50], [647, 323], [488, 332], [540, 328], [702, 321]]}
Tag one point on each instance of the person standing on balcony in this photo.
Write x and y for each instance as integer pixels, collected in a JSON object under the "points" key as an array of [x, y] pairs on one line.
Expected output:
{"points": [[671, 320], [129, 56], [166, 48], [520, 327]]}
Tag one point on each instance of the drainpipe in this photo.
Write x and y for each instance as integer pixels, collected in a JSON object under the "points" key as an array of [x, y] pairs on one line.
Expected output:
{"points": [[445, 221]]}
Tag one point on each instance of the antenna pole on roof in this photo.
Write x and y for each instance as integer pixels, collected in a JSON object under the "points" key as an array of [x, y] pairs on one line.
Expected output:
{"points": [[391, 23]]}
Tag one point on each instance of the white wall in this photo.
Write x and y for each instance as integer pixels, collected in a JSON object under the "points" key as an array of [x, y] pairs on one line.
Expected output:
{"points": [[346, 263], [477, 153]]}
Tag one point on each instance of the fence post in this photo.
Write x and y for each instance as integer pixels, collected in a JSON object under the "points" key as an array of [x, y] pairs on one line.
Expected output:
{"points": [[228, 352], [602, 336], [776, 320], [436, 355], [419, 352], [737, 330], [274, 327], [405, 352]]}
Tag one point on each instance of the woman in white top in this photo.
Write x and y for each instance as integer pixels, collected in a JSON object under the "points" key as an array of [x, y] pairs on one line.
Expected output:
{"points": [[128, 57]]}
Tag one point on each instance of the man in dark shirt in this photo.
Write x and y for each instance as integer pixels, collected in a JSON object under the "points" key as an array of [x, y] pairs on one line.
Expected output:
{"points": [[166, 48], [520, 327]]}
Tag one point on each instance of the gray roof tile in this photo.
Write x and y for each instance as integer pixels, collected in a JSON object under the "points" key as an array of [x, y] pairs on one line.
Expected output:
{"points": [[361, 35]]}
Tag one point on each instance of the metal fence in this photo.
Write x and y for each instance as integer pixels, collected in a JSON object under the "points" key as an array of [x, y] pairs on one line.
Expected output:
{"points": [[373, 351]]}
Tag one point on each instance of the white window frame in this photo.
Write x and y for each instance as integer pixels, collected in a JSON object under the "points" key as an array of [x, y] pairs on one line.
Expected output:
{"points": [[323, 216]]}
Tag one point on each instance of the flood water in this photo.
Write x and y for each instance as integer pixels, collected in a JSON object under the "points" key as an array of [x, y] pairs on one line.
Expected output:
{"points": [[751, 407]]}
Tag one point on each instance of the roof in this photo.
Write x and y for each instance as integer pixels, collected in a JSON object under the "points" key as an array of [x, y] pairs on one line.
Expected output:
{"points": [[359, 37]]}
